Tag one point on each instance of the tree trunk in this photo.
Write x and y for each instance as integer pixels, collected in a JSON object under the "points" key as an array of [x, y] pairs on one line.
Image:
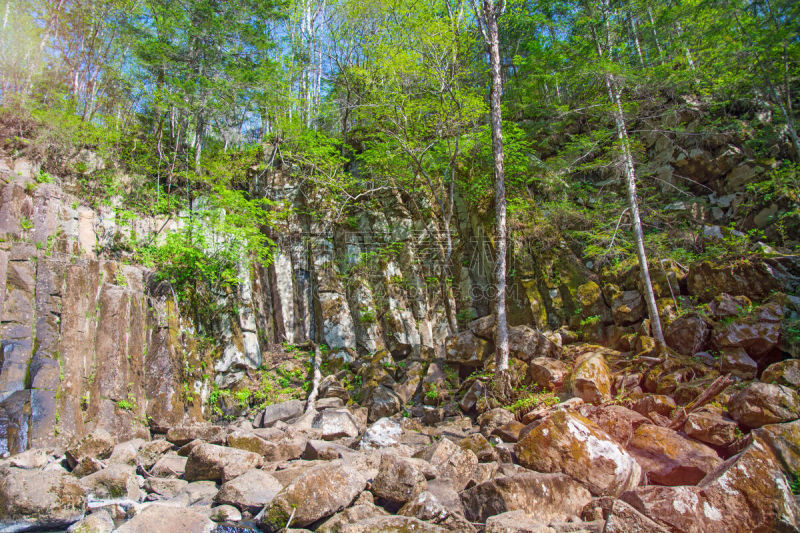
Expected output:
{"points": [[501, 322]]}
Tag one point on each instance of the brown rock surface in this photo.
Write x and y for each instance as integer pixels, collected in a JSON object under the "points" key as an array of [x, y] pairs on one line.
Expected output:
{"points": [[218, 463], [591, 378], [763, 403], [249, 492], [33, 498]]}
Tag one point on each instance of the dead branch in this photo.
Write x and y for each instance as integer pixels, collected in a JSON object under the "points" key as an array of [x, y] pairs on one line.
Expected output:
{"points": [[717, 386]]}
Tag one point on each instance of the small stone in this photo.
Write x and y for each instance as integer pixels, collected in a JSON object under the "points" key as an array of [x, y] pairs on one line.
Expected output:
{"points": [[225, 513]]}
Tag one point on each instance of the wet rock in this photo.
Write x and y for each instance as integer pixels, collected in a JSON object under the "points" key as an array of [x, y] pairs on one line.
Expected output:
{"points": [[668, 458], [182, 435], [282, 412], [335, 424], [735, 361], [218, 463], [591, 378], [688, 334], [391, 524], [31, 499], [711, 427], [569, 443], [159, 517], [493, 419], [382, 433], [249, 492], [315, 494], [548, 496], [451, 462], [785, 373], [115, 482], [465, 348], [398, 479], [762, 403], [99, 444], [547, 373], [618, 421], [526, 343]]}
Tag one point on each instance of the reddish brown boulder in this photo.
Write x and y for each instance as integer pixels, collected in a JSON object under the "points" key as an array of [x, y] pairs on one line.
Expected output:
{"points": [[785, 373], [734, 360], [711, 427], [218, 463], [763, 403], [688, 334], [616, 420], [547, 373], [591, 378]]}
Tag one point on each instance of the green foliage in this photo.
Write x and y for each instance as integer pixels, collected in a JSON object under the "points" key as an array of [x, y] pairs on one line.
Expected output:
{"points": [[532, 401]]}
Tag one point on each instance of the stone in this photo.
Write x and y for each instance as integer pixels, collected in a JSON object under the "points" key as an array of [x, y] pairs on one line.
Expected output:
{"points": [[616, 420], [754, 279], [99, 444], [623, 518], [569, 443], [356, 513], [668, 458], [509, 432], [659, 404], [151, 451], [548, 496], [547, 373], [382, 433], [398, 480], [182, 435], [32, 459], [763, 403], [391, 524], [493, 419], [115, 482], [315, 494], [225, 513], [31, 499], [483, 327], [450, 461], [526, 343], [471, 397], [329, 403], [481, 447], [687, 334], [516, 522], [783, 441], [160, 488], [218, 463], [591, 378], [170, 465], [251, 442], [249, 492], [98, 522], [430, 507], [465, 348], [382, 402], [279, 412], [748, 492], [627, 307], [324, 450], [126, 452], [785, 373], [710, 427], [758, 338], [734, 360], [197, 493], [336, 424], [160, 517]]}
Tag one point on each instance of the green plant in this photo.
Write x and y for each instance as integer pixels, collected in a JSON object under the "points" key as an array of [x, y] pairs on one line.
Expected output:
{"points": [[243, 397], [120, 279], [44, 177], [26, 223], [533, 400], [366, 315]]}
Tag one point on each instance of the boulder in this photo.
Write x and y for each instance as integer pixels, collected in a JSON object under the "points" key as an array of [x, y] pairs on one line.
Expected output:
{"points": [[98, 522], [31, 459], [687, 334], [160, 488], [547, 373], [509, 432], [398, 480], [471, 397], [623, 518], [734, 360], [225, 513], [151, 451], [118, 481], [126, 452], [754, 279], [618, 421], [251, 442], [627, 307], [481, 447], [659, 404], [548, 496], [785, 373], [526, 343], [324, 450], [711, 427], [668, 458], [493, 419], [756, 337], [170, 465], [168, 518], [315, 494], [591, 378], [516, 522], [218, 463], [763, 403], [382, 433], [451, 462], [356, 513], [382, 402], [182, 435], [746, 493], [36, 499], [391, 524], [249, 492], [98, 445], [279, 412], [783, 441], [569, 443], [465, 348], [430, 507], [336, 424]]}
